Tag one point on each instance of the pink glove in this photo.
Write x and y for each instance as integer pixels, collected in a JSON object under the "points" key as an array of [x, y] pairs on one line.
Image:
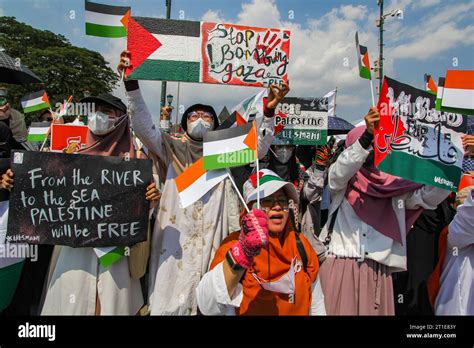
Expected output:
{"points": [[253, 237]]}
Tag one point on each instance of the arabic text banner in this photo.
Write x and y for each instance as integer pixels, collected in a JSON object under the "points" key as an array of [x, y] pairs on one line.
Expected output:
{"points": [[414, 140]]}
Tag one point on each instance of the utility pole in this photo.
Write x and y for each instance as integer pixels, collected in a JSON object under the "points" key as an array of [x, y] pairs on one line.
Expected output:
{"points": [[381, 18], [163, 84]]}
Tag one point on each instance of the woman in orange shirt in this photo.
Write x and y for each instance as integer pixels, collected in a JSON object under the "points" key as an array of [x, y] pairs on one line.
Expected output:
{"points": [[266, 268]]}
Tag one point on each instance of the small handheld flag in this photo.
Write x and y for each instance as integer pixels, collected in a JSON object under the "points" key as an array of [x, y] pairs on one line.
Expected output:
{"points": [[232, 147], [362, 59], [195, 182], [106, 21], [430, 85], [35, 101]]}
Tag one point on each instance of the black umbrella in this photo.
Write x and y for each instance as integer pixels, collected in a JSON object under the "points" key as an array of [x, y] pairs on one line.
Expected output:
{"points": [[12, 72], [337, 125]]}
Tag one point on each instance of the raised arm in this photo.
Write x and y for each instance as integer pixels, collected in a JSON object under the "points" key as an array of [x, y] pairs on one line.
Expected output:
{"points": [[140, 116], [266, 129], [351, 159]]}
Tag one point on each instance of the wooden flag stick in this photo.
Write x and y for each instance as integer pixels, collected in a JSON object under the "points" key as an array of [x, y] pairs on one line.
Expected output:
{"points": [[237, 190], [258, 167]]}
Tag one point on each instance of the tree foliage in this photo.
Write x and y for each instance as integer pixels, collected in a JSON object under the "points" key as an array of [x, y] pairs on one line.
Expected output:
{"points": [[64, 69]]}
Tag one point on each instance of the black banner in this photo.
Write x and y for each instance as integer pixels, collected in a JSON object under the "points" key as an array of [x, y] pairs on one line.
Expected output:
{"points": [[78, 200]]}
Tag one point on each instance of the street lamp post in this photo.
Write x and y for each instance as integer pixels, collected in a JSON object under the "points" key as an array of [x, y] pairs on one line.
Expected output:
{"points": [[380, 22], [163, 84]]}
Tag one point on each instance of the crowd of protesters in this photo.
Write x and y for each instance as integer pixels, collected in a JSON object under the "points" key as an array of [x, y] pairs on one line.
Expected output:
{"points": [[324, 231]]}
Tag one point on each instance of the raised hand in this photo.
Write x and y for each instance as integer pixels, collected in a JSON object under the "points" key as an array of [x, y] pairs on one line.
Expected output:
{"points": [[276, 94], [372, 119]]}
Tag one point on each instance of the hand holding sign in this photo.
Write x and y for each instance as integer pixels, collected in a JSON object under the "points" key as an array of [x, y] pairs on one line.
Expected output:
{"points": [[7, 180], [124, 62], [468, 144], [372, 119], [276, 94]]}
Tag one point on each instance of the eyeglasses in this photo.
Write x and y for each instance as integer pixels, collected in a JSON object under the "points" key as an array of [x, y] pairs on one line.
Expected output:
{"points": [[206, 116], [270, 202]]}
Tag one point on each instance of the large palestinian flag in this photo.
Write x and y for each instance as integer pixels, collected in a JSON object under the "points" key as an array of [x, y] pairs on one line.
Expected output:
{"points": [[190, 51], [414, 140]]}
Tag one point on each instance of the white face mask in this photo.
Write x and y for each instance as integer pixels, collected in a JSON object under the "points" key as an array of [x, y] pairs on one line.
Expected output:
{"points": [[100, 123], [286, 283], [198, 128], [284, 153]]}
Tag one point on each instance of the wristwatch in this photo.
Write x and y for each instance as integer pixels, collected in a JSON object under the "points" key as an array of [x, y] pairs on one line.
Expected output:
{"points": [[232, 263]]}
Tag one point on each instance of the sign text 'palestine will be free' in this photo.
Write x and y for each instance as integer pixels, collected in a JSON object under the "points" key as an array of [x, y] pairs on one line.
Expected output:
{"points": [[414, 140], [305, 121], [204, 52], [78, 200]]}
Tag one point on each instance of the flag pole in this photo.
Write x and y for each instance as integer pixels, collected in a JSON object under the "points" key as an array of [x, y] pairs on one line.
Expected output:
{"points": [[257, 166], [237, 190], [372, 91]]}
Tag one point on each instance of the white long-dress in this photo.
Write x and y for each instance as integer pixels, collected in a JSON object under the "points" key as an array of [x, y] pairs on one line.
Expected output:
{"points": [[77, 278], [184, 240]]}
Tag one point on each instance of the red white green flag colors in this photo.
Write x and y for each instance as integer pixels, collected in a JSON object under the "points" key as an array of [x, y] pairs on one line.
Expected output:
{"points": [[106, 21], [430, 85], [35, 101], [362, 59], [230, 147], [414, 140], [458, 93], [203, 52], [38, 131], [439, 93]]}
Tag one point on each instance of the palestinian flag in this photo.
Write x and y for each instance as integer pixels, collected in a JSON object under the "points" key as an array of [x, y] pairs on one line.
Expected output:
{"points": [[232, 147], [196, 181], [35, 101], [192, 51], [430, 85], [425, 149], [439, 93], [458, 95], [362, 59], [109, 255], [166, 47], [106, 21], [38, 131]]}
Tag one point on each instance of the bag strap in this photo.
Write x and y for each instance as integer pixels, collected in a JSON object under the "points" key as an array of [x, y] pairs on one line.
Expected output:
{"points": [[302, 251], [327, 240]]}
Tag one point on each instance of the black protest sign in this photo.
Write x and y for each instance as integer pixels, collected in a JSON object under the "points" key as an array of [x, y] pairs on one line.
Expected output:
{"points": [[78, 200], [304, 121]]}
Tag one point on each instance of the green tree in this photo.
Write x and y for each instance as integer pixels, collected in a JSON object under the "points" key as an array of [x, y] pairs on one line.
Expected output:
{"points": [[64, 69]]}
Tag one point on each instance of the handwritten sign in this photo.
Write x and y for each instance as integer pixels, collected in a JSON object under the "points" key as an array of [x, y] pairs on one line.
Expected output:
{"points": [[78, 200], [205, 52], [304, 121], [414, 140]]}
